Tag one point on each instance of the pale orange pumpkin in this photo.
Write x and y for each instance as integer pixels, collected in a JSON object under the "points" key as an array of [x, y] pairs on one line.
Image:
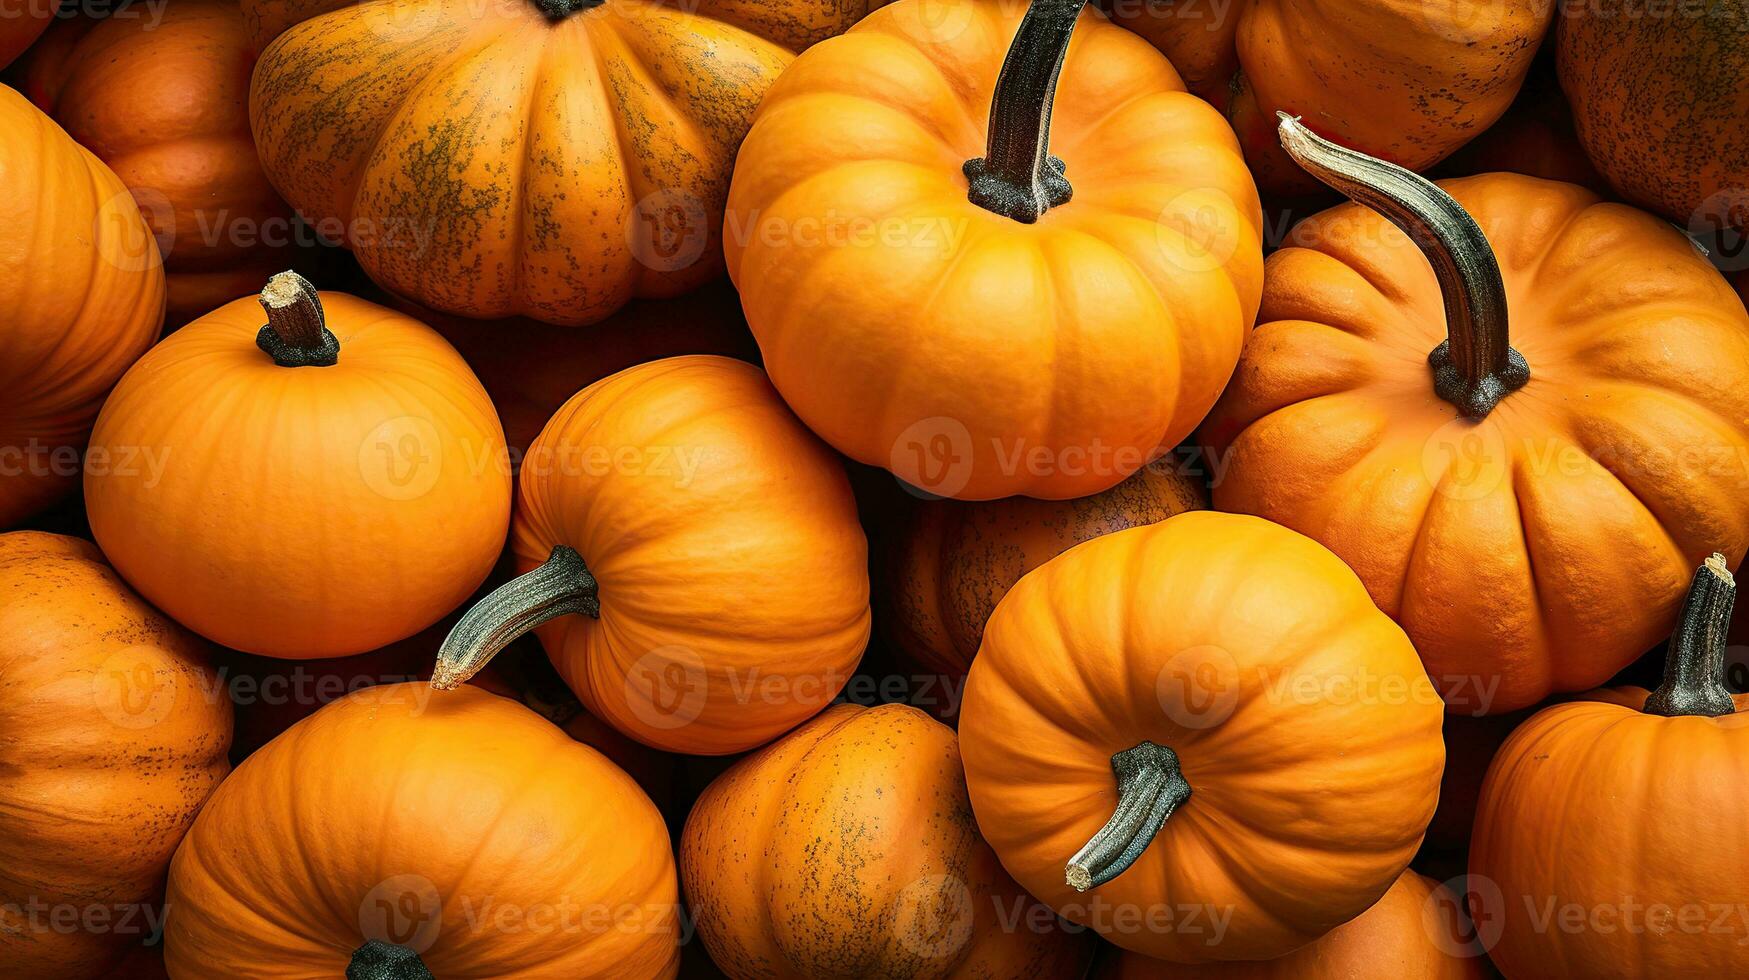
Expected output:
{"points": [[324, 485], [1204, 715], [82, 288]]}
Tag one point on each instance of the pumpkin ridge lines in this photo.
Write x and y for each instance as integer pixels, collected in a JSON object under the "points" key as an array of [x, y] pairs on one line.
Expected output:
{"points": [[1544, 668]]}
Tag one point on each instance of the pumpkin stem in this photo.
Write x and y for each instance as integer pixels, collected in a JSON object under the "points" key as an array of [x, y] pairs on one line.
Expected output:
{"points": [[296, 334], [1150, 786], [560, 9], [561, 586], [1475, 367], [1017, 177], [1694, 669], [377, 960]]}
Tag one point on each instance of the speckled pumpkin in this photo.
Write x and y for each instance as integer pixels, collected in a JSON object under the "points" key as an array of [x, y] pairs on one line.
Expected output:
{"points": [[113, 732], [951, 561], [1661, 104], [847, 849], [547, 158]]}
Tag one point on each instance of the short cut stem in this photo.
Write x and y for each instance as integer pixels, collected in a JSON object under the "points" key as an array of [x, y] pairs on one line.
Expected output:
{"points": [[377, 960], [296, 334], [1017, 177], [561, 586], [1150, 786], [1694, 667]]}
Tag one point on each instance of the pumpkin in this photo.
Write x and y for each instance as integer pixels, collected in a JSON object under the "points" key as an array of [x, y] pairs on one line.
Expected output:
{"points": [[951, 561], [113, 731], [1659, 99], [1409, 82], [1524, 502], [394, 834], [67, 336], [21, 23], [1609, 828], [164, 102], [323, 485], [847, 849], [694, 555], [1410, 934], [1205, 715], [545, 158], [981, 313]]}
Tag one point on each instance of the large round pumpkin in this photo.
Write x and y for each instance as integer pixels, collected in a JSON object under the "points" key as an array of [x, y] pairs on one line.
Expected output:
{"points": [[82, 290], [547, 158], [848, 849], [694, 555], [401, 834], [1609, 835], [21, 23], [949, 278], [164, 102], [1659, 98], [1415, 932], [323, 485], [1525, 502], [1205, 715], [951, 561], [113, 731]]}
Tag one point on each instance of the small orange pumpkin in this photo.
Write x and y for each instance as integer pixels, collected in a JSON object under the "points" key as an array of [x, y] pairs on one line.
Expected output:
{"points": [[1207, 713], [396, 833], [1526, 504], [1609, 835], [989, 296], [694, 555], [113, 731], [323, 485], [848, 849], [83, 292]]}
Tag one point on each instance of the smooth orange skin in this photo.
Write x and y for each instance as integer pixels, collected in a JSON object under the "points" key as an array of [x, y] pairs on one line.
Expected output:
{"points": [[82, 295], [733, 573], [301, 512], [21, 23], [113, 731], [1597, 807], [1638, 352], [916, 331], [1303, 722], [1407, 935], [164, 102], [950, 562], [1406, 80], [847, 849], [520, 165], [397, 813]]}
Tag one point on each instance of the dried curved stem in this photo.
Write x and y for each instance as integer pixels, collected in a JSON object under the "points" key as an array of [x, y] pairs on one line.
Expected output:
{"points": [[1694, 668], [559, 587], [1017, 177], [1150, 785]]}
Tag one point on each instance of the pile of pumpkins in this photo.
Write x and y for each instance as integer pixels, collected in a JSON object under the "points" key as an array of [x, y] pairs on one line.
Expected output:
{"points": [[1266, 607]]}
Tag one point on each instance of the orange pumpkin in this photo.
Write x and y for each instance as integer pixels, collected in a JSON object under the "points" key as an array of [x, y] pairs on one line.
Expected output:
{"points": [[847, 849], [164, 102], [546, 158], [951, 561], [1609, 832], [1043, 326], [1407, 81], [1412, 933], [1660, 102], [694, 554], [323, 485], [1205, 716], [21, 23], [69, 333], [113, 731], [1526, 505], [401, 834]]}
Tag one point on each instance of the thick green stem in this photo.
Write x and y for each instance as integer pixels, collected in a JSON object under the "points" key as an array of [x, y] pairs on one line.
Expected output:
{"points": [[1694, 667], [1475, 367], [1150, 786], [559, 587], [296, 334], [377, 960], [1017, 177]]}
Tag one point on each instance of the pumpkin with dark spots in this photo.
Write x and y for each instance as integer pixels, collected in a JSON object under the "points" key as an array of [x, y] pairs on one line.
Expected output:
{"points": [[485, 158], [113, 731], [951, 561], [1662, 106], [848, 849]]}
